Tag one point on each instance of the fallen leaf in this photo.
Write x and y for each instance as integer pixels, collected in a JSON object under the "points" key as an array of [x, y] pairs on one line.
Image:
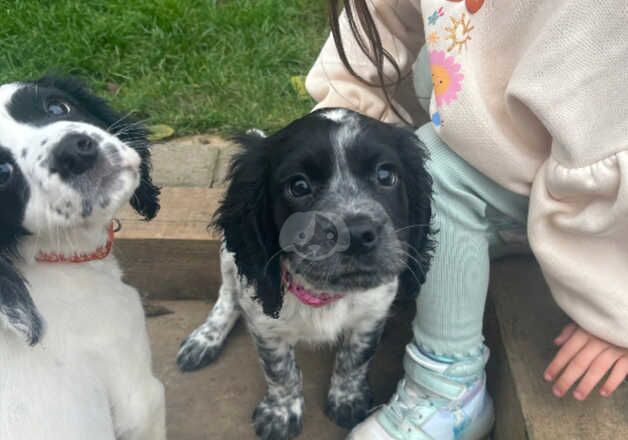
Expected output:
{"points": [[159, 131]]}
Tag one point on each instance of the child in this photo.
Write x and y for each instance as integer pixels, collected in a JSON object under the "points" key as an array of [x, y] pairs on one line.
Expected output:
{"points": [[529, 129]]}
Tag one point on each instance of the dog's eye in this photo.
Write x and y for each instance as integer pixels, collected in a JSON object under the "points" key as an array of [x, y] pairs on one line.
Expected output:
{"points": [[6, 172], [386, 175], [57, 107], [300, 187]]}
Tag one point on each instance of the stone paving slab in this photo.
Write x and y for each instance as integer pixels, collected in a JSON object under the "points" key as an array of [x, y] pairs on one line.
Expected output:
{"points": [[528, 319], [193, 161], [216, 402]]}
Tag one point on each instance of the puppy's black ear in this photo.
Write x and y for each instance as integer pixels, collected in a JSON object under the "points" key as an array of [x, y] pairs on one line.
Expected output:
{"points": [[146, 198], [245, 217], [418, 185], [17, 309], [16, 304]]}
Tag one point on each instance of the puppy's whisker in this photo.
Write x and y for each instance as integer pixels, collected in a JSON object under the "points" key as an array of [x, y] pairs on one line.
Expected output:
{"points": [[418, 262], [413, 273], [407, 254], [119, 121], [412, 248], [131, 126], [276, 254], [418, 225]]}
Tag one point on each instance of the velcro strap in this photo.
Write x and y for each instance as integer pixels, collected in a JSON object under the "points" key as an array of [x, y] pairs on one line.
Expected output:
{"points": [[431, 381]]}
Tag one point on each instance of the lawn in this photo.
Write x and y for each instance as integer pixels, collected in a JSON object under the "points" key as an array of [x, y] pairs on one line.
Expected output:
{"points": [[198, 66]]}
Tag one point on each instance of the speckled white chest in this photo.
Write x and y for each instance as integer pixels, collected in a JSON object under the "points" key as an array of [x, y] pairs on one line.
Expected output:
{"points": [[298, 322]]}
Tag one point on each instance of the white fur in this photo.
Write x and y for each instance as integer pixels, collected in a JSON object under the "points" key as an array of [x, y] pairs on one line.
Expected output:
{"points": [[298, 322], [89, 378], [336, 114]]}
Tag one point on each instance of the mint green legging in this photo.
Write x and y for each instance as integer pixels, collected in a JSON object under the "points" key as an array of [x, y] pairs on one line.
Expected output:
{"points": [[474, 216]]}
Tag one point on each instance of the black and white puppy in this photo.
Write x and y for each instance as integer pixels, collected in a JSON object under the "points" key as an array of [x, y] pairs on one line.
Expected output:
{"points": [[75, 358], [322, 221]]}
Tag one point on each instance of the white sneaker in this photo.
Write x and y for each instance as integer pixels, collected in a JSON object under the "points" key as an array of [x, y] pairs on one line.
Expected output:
{"points": [[437, 400]]}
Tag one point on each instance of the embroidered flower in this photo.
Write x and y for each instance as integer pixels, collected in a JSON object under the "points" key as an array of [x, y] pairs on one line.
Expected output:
{"points": [[446, 77], [432, 19], [459, 33], [432, 38]]}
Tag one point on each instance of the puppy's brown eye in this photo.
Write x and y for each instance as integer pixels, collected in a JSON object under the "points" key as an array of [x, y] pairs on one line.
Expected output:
{"points": [[300, 187], [6, 173], [57, 107], [386, 175]]}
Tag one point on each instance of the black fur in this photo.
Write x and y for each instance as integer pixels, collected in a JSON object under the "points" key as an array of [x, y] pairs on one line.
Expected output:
{"points": [[419, 192], [252, 210], [16, 303], [245, 218]]}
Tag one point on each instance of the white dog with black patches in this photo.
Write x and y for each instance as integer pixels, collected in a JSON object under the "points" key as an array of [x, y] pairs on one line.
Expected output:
{"points": [[323, 222], [75, 357]]}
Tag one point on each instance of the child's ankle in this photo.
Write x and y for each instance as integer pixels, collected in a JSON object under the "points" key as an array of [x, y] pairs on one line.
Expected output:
{"points": [[465, 369]]}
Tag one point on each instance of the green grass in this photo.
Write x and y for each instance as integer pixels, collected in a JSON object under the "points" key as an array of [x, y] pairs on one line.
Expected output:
{"points": [[199, 66]]}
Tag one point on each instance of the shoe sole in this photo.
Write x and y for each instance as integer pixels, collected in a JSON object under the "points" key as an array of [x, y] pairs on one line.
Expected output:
{"points": [[483, 425]]}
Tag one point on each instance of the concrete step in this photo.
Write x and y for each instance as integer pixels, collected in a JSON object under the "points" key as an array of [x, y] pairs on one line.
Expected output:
{"points": [[216, 403], [522, 321], [520, 324], [192, 161]]}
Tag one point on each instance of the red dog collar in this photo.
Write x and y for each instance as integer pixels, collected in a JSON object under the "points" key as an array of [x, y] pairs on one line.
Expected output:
{"points": [[99, 254]]}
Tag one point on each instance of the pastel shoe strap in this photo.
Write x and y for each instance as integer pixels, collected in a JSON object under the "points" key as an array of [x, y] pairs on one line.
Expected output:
{"points": [[444, 379], [435, 383]]}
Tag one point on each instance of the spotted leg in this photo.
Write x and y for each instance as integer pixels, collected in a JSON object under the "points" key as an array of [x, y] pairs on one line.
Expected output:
{"points": [[279, 416], [205, 343], [350, 397]]}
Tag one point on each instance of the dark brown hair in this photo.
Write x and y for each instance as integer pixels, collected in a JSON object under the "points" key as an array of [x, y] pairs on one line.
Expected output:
{"points": [[368, 39]]}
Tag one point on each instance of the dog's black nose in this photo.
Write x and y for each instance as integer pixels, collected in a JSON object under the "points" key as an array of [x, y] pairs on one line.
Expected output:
{"points": [[364, 234], [74, 154]]}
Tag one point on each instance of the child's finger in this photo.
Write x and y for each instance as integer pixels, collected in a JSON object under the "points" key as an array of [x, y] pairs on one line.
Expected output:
{"points": [[617, 376], [565, 354], [565, 334], [578, 366], [596, 372]]}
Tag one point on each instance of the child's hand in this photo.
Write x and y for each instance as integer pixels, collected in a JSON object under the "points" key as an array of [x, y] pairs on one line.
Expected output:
{"points": [[580, 354]]}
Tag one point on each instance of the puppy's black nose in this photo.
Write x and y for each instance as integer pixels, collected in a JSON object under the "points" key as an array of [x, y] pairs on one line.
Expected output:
{"points": [[364, 234], [74, 154]]}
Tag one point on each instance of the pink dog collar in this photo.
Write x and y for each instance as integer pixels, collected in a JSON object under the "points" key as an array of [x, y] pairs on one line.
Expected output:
{"points": [[305, 296]]}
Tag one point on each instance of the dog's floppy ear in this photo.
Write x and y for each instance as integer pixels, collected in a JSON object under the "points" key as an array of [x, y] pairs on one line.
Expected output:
{"points": [[16, 304], [245, 217], [418, 185], [146, 198], [17, 309]]}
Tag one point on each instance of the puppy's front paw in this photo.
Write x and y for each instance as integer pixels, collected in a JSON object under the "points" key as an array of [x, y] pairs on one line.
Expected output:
{"points": [[275, 419], [197, 351], [347, 407]]}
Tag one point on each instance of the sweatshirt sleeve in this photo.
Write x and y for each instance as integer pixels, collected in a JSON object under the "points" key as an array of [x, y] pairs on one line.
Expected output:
{"points": [[576, 85], [400, 28]]}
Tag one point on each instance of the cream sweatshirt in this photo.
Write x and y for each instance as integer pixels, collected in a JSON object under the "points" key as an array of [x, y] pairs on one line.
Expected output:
{"points": [[534, 94]]}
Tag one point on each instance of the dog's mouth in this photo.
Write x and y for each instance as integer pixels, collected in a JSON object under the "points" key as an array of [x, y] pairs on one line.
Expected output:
{"points": [[342, 274], [307, 295], [93, 197]]}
